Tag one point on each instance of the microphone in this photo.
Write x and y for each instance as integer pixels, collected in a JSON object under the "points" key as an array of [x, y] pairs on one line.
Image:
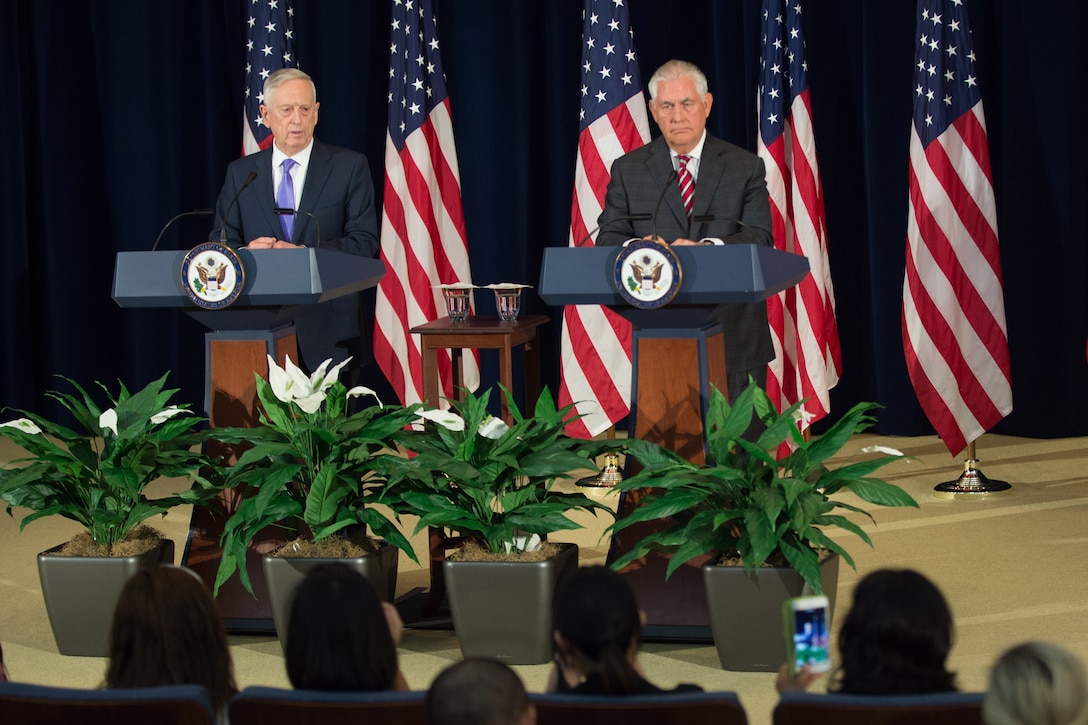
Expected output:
{"points": [[706, 218], [194, 212], [226, 213], [661, 198], [630, 218], [281, 210]]}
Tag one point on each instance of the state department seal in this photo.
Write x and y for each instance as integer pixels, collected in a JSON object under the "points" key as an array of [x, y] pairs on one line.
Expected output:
{"points": [[648, 274], [212, 275]]}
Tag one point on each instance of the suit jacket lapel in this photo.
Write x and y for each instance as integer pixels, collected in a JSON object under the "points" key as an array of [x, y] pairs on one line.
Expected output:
{"points": [[317, 175], [263, 187], [660, 166], [711, 168]]}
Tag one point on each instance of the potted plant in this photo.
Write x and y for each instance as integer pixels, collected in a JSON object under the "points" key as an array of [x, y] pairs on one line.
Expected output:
{"points": [[472, 476], [98, 478], [767, 512], [309, 470]]}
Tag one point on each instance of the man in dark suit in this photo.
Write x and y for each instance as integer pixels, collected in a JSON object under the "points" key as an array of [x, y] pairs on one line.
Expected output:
{"points": [[332, 183], [724, 184]]}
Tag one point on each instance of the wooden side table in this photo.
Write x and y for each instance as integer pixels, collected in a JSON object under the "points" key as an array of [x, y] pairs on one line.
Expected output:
{"points": [[481, 333]]}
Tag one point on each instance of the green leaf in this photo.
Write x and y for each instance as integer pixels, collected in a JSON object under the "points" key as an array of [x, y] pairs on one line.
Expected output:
{"points": [[880, 492], [806, 562]]}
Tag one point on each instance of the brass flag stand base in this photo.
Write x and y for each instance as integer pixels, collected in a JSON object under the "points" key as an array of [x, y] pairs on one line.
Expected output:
{"points": [[972, 484], [608, 477]]}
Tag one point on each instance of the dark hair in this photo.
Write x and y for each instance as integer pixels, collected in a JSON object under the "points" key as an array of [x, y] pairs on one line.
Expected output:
{"points": [[167, 631], [595, 611], [337, 637], [476, 692], [896, 637]]}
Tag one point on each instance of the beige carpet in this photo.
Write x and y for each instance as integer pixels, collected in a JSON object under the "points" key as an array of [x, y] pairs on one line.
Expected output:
{"points": [[1013, 568]]}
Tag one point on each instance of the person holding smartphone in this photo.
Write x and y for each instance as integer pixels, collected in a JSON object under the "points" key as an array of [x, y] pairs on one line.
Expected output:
{"points": [[895, 640]]}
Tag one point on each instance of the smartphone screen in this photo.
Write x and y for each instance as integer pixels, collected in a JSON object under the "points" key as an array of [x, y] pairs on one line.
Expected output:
{"points": [[809, 632]]}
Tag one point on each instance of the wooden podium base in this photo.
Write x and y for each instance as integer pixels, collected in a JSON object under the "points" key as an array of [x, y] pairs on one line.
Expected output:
{"points": [[670, 392], [231, 359]]}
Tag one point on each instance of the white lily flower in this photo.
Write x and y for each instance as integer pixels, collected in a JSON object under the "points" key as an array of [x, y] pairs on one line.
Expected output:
{"points": [[291, 385], [327, 379], [24, 424], [311, 403], [882, 449], [493, 428], [446, 419], [108, 420], [166, 414], [802, 418], [280, 381], [301, 385], [359, 391], [523, 544]]}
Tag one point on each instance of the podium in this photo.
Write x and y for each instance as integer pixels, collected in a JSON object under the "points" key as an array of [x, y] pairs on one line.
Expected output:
{"points": [[277, 282], [678, 352]]}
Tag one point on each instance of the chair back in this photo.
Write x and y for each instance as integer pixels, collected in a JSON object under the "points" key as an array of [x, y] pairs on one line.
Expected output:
{"points": [[721, 708], [42, 705], [943, 708], [276, 706]]}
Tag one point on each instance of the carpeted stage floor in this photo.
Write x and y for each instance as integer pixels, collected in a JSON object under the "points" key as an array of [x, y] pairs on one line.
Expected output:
{"points": [[1013, 568]]}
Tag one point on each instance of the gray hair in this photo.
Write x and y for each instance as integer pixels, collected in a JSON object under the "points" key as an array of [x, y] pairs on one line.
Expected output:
{"points": [[278, 78], [1037, 683], [674, 70]]}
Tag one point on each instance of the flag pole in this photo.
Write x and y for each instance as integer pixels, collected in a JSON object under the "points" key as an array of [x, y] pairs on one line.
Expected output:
{"points": [[972, 484], [610, 474]]}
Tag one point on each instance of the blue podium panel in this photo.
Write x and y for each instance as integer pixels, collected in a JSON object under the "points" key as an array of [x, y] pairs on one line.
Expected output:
{"points": [[710, 275], [273, 277]]}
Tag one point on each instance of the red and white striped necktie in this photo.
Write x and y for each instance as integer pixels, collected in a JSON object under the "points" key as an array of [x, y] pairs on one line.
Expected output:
{"points": [[687, 182]]}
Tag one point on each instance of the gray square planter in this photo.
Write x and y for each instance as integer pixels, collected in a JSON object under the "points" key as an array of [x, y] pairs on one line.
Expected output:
{"points": [[81, 593], [283, 575], [503, 610], [746, 611]]}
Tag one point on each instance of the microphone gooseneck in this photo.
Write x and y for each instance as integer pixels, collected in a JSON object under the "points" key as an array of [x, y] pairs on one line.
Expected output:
{"points": [[661, 198], [194, 212], [630, 218], [282, 210], [707, 218], [226, 213]]}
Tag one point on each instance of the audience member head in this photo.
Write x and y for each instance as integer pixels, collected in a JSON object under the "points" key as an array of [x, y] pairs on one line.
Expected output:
{"points": [[338, 637], [598, 627], [167, 631], [1037, 683], [896, 637], [479, 692]]}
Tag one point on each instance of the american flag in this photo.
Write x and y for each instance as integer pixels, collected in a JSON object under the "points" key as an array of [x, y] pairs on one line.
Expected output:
{"points": [[423, 240], [954, 333], [595, 354], [270, 45], [808, 360]]}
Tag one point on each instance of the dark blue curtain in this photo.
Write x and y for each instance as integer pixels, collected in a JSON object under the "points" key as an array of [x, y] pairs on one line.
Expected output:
{"points": [[118, 114]]}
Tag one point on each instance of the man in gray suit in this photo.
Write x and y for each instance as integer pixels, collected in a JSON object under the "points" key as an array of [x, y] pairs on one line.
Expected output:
{"points": [[726, 188], [332, 183]]}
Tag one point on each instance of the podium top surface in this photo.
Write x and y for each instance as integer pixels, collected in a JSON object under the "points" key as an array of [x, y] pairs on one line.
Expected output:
{"points": [[273, 277], [711, 274]]}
